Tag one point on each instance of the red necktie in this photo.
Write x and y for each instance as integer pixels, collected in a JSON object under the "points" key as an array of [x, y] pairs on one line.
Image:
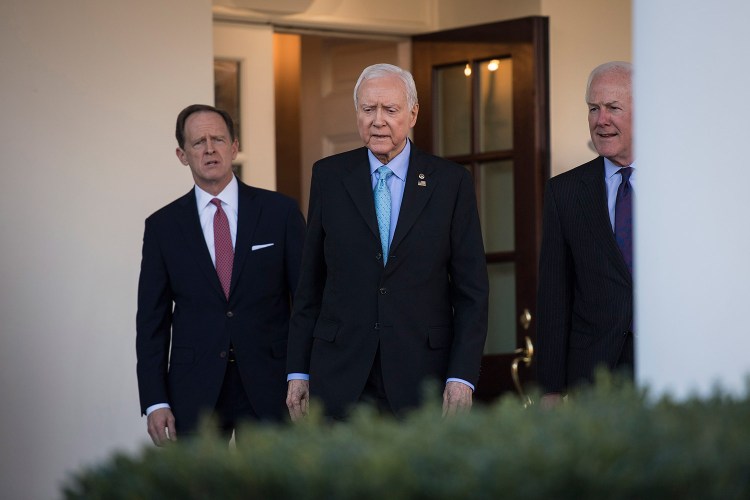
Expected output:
{"points": [[223, 247]]}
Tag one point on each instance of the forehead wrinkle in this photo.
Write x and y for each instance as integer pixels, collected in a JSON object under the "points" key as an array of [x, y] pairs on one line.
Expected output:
{"points": [[377, 102]]}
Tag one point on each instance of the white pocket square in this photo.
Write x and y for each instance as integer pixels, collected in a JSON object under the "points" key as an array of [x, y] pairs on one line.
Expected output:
{"points": [[258, 247]]}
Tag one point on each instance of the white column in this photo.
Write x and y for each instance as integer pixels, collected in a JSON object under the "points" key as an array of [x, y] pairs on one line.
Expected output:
{"points": [[693, 208], [89, 93]]}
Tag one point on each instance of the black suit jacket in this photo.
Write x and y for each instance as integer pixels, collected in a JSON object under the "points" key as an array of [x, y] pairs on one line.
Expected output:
{"points": [[426, 310], [185, 323], [585, 299]]}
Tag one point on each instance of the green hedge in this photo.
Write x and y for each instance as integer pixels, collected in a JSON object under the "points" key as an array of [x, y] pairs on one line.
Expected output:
{"points": [[608, 442]]}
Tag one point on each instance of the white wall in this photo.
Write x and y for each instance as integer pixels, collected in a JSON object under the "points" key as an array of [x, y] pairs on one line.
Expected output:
{"points": [[692, 243], [454, 14], [252, 46], [89, 92]]}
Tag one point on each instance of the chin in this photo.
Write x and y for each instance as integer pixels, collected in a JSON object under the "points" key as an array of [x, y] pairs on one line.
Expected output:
{"points": [[606, 151]]}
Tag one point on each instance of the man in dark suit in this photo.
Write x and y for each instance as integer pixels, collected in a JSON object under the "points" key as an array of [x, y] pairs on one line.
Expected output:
{"points": [[393, 295], [219, 268], [585, 275]]}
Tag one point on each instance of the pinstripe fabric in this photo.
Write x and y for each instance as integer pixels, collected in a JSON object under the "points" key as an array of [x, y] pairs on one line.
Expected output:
{"points": [[585, 296]]}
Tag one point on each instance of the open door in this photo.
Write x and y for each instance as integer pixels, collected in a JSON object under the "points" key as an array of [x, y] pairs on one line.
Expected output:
{"points": [[483, 93]]}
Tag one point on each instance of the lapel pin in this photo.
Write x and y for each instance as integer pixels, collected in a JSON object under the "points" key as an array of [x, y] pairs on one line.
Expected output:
{"points": [[422, 182]]}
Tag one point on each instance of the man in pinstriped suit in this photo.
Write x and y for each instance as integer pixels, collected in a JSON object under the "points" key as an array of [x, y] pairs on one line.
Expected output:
{"points": [[585, 299]]}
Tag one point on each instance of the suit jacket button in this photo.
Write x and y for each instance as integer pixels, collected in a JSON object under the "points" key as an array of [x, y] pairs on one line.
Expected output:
{"points": [[378, 256], [230, 314], [383, 291], [223, 354]]}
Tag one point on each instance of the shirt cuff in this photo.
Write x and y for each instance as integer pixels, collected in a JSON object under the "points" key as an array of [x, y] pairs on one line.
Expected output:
{"points": [[157, 406], [460, 380], [297, 376]]}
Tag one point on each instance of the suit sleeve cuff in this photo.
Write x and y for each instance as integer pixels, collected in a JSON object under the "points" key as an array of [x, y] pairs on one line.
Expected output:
{"points": [[157, 406], [460, 380]]}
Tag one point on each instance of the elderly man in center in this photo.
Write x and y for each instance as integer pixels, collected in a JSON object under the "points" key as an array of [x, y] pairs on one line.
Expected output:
{"points": [[393, 287]]}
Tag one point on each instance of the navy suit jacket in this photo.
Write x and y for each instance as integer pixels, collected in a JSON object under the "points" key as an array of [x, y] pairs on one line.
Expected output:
{"points": [[185, 324], [585, 297], [426, 310]]}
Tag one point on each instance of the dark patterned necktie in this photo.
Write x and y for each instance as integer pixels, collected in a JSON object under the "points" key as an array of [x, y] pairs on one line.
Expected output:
{"points": [[223, 247], [624, 217]]}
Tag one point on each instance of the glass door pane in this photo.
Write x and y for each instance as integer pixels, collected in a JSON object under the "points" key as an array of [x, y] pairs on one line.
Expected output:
{"points": [[496, 105], [496, 206], [501, 331], [453, 110]]}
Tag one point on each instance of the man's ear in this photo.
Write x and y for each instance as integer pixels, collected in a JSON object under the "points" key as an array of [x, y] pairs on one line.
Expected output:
{"points": [[181, 156], [414, 113]]}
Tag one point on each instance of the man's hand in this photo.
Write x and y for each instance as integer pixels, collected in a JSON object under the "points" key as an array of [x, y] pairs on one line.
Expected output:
{"points": [[551, 400], [161, 426], [298, 399], [456, 398]]}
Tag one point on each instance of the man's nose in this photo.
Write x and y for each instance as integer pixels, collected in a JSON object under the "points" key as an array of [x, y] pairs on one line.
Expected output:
{"points": [[209, 146], [603, 117], [379, 114]]}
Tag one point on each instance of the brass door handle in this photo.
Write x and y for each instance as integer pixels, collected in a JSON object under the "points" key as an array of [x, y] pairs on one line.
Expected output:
{"points": [[525, 319], [525, 355]]}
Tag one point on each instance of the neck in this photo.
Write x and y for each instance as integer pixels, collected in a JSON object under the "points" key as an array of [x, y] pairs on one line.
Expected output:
{"points": [[215, 187]]}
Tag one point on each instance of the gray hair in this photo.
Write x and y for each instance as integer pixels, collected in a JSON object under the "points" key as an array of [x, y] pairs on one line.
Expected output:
{"points": [[382, 70], [621, 67]]}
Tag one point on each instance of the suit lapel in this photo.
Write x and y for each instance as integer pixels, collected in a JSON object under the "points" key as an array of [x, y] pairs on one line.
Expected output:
{"points": [[248, 214], [593, 198], [420, 183], [190, 225], [358, 184]]}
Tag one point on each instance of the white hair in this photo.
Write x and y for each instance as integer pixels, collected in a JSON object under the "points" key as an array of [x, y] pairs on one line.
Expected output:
{"points": [[383, 70], [618, 67]]}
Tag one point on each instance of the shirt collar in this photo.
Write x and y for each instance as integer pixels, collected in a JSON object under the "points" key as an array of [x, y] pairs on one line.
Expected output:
{"points": [[228, 195], [610, 169], [399, 164]]}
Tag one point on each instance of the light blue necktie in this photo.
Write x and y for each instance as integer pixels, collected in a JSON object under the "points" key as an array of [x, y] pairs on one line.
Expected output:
{"points": [[383, 208]]}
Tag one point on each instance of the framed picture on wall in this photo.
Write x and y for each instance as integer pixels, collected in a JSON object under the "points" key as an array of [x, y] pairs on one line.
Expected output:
{"points": [[227, 90]]}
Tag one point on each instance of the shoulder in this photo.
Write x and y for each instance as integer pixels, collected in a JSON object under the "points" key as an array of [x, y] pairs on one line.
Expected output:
{"points": [[266, 197], [575, 175], [341, 161], [173, 209]]}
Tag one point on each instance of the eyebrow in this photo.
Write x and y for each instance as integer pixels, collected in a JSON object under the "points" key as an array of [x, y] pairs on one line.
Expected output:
{"points": [[382, 104], [609, 103]]}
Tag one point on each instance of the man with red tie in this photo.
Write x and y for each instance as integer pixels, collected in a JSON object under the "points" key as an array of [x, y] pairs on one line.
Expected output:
{"points": [[219, 269]]}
